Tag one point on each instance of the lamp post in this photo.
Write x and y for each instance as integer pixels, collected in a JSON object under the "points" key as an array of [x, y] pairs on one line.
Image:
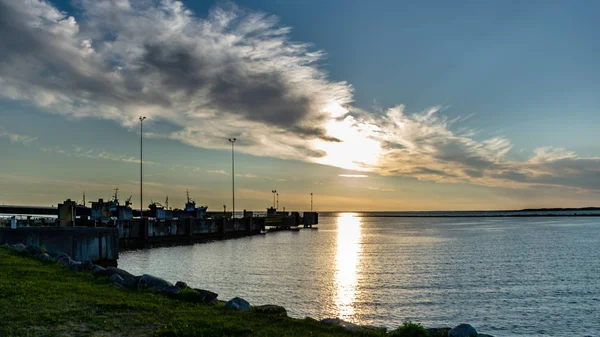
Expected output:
{"points": [[277, 208], [232, 141], [273, 191], [311, 201], [142, 118]]}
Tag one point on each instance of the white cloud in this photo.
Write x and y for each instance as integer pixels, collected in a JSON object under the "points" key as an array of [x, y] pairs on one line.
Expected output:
{"points": [[216, 171], [16, 138], [353, 175]]}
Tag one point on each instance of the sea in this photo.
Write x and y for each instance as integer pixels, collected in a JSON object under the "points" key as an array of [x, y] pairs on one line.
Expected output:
{"points": [[505, 273]]}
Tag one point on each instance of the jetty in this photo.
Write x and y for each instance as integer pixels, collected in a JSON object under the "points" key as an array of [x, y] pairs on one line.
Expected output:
{"points": [[99, 232]]}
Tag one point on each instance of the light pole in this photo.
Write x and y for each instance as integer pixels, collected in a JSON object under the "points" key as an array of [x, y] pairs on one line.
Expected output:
{"points": [[277, 208], [141, 161], [311, 201], [273, 191], [232, 141]]}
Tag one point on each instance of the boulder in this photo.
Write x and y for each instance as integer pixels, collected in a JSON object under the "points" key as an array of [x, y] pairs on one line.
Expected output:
{"points": [[65, 261], [341, 323], [181, 285], [271, 309], [34, 250], [205, 296], [87, 266], [238, 303], [44, 257], [120, 272], [99, 271], [131, 281], [153, 282], [76, 265], [115, 278], [59, 256], [463, 330], [484, 335], [19, 246], [171, 290]]}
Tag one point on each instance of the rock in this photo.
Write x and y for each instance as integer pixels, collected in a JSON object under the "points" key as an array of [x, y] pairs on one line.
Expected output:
{"points": [[44, 257], [76, 265], [205, 296], [59, 256], [19, 247], [87, 266], [238, 303], [65, 261], [99, 271], [34, 250], [463, 330], [341, 323], [115, 278], [271, 309], [171, 290], [484, 335], [153, 282], [131, 281], [120, 272], [438, 332], [181, 285]]}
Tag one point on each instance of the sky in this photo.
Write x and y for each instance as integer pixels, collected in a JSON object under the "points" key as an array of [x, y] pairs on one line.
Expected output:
{"points": [[387, 105]]}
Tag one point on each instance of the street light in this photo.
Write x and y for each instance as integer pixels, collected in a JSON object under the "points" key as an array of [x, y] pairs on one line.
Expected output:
{"points": [[311, 201], [273, 191], [142, 118], [277, 208], [232, 141]]}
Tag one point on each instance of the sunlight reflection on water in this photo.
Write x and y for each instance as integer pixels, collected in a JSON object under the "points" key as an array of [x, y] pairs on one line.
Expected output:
{"points": [[347, 263]]}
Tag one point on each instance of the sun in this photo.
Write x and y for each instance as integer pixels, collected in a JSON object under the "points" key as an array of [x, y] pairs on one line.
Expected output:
{"points": [[357, 149]]}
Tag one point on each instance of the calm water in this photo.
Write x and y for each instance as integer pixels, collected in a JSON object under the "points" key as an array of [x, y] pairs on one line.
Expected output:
{"points": [[505, 276]]}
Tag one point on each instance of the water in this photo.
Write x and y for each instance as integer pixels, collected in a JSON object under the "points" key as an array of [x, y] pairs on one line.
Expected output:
{"points": [[505, 276]]}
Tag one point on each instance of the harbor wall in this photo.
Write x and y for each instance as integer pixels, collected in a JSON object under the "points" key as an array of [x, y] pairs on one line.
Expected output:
{"points": [[100, 245]]}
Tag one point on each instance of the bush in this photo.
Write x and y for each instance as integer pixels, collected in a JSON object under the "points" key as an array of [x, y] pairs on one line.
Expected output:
{"points": [[409, 329]]}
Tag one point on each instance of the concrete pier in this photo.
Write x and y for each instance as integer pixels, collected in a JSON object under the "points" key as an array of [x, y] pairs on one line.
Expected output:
{"points": [[100, 245]]}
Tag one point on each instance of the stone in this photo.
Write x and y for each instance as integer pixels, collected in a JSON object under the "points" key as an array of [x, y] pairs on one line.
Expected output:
{"points": [[120, 272], [486, 335], [87, 266], [19, 246], [44, 257], [34, 250], [341, 323], [271, 309], [171, 290], [131, 281], [238, 303], [181, 285], [115, 278], [99, 271], [153, 282], [59, 256], [65, 261], [76, 265], [204, 296], [463, 330]]}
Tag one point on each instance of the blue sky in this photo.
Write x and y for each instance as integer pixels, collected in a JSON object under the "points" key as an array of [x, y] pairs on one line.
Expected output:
{"points": [[435, 105]]}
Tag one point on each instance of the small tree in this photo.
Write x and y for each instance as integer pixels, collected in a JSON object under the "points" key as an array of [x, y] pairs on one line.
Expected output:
{"points": [[410, 329]]}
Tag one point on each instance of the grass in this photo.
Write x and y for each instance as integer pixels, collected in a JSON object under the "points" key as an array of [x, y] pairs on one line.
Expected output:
{"points": [[45, 299]]}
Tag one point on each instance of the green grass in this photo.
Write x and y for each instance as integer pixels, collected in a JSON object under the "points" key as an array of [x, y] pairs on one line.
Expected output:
{"points": [[45, 299]]}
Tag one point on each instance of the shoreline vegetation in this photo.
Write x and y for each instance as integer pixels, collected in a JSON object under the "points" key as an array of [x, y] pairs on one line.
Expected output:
{"points": [[48, 294]]}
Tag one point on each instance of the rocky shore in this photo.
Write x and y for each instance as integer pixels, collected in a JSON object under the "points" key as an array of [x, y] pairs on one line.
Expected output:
{"points": [[123, 279]]}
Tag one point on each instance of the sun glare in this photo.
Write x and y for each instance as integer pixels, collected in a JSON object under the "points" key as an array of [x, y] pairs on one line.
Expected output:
{"points": [[356, 149]]}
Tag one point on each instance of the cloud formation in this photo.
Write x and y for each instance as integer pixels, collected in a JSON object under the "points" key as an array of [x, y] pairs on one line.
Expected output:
{"points": [[236, 73], [16, 138]]}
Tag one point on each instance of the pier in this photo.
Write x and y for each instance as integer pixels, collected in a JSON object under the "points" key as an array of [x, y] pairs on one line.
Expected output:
{"points": [[99, 232]]}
